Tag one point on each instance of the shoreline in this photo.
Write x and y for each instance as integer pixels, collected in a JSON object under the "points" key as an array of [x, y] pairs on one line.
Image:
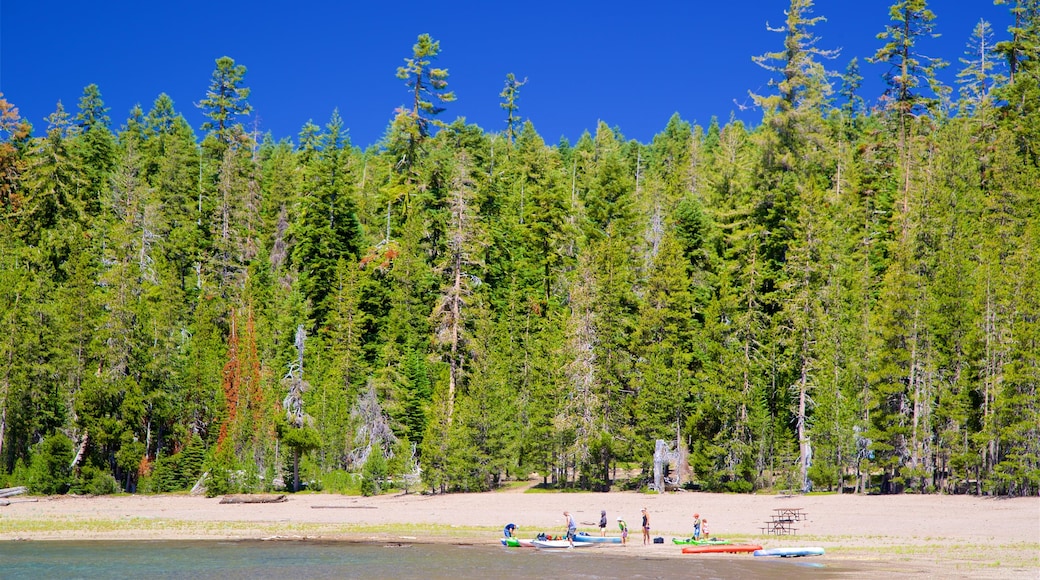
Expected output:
{"points": [[934, 535]]}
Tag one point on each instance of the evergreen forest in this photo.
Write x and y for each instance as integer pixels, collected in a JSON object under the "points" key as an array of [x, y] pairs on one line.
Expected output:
{"points": [[843, 297]]}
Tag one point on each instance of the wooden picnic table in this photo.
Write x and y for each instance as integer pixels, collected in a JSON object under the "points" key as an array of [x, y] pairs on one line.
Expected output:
{"points": [[789, 513], [782, 521], [779, 526]]}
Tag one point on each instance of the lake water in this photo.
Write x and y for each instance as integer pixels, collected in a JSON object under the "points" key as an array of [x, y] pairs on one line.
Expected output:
{"points": [[283, 560]]}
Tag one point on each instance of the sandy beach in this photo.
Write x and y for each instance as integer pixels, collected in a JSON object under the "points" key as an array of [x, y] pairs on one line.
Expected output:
{"points": [[906, 535]]}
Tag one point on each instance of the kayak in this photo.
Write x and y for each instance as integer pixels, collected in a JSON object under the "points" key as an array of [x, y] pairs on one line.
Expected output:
{"points": [[692, 542], [516, 543], [597, 539], [721, 548], [790, 552], [560, 544]]}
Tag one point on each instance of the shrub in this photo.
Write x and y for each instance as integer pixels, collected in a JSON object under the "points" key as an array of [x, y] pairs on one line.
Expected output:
{"points": [[94, 481], [222, 478], [373, 473], [50, 471], [340, 481], [165, 474]]}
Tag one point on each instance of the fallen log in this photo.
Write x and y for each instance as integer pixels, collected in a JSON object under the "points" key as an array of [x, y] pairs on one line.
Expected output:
{"points": [[4, 502], [10, 491], [255, 498]]}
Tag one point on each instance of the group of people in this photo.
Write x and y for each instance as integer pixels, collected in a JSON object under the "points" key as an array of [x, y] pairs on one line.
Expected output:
{"points": [[622, 525], [700, 527]]}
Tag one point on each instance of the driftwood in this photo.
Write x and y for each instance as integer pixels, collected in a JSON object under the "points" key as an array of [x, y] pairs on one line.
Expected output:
{"points": [[200, 486], [4, 502], [255, 498], [10, 491], [82, 450]]}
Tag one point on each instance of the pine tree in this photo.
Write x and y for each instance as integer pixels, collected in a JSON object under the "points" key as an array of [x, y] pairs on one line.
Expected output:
{"points": [[460, 270], [95, 146], [226, 100], [511, 94], [908, 68], [426, 83], [980, 73], [326, 228]]}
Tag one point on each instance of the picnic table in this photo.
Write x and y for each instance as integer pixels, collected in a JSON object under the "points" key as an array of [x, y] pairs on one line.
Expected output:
{"points": [[789, 513], [781, 523]]}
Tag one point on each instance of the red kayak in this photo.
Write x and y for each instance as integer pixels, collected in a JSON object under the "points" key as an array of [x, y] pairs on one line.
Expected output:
{"points": [[721, 548]]}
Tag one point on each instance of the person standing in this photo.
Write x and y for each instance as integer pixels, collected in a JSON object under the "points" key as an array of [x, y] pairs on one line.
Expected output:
{"points": [[696, 526], [572, 527], [603, 523], [623, 526], [646, 527]]}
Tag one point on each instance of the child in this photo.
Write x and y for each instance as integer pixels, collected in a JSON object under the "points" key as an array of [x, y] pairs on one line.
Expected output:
{"points": [[704, 529], [697, 530], [624, 530]]}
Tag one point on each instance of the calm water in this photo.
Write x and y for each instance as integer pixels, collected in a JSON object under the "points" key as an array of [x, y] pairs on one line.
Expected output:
{"points": [[290, 560]]}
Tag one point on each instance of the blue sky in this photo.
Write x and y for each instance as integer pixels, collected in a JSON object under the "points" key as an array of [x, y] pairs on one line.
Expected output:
{"points": [[630, 64]]}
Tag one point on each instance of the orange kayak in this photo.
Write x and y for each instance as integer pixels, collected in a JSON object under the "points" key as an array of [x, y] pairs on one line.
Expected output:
{"points": [[721, 548]]}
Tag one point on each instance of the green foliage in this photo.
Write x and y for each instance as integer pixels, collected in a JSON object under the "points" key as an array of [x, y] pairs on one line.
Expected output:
{"points": [[302, 439], [342, 482], [50, 470], [374, 473], [427, 84], [224, 476], [225, 100], [842, 289], [92, 480]]}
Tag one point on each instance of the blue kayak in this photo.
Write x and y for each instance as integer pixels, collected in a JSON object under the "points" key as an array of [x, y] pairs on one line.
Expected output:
{"points": [[790, 552], [597, 539]]}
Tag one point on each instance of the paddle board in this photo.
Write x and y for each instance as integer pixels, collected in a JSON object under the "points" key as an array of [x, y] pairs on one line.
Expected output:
{"points": [[790, 552], [597, 539], [721, 548], [560, 544]]}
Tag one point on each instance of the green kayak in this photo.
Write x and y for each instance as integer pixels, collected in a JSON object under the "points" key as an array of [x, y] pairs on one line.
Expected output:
{"points": [[692, 542]]}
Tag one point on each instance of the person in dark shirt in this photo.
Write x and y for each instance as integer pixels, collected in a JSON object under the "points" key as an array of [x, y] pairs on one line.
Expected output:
{"points": [[603, 523], [509, 530]]}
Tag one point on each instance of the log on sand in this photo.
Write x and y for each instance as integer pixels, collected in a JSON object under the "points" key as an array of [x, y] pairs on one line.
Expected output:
{"points": [[254, 498], [10, 491]]}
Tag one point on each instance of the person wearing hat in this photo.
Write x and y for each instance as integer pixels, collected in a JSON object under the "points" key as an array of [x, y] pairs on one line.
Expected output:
{"points": [[624, 530], [603, 523], [646, 527]]}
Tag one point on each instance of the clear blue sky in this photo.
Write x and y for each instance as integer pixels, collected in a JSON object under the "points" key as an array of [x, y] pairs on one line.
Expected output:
{"points": [[630, 64]]}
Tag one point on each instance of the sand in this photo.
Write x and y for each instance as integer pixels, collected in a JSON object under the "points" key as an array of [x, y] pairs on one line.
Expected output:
{"points": [[907, 535]]}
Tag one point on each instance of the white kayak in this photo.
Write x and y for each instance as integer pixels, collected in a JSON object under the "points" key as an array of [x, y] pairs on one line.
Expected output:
{"points": [[560, 544]]}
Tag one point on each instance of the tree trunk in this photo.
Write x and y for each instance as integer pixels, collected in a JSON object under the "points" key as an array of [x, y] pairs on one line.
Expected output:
{"points": [[296, 470]]}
